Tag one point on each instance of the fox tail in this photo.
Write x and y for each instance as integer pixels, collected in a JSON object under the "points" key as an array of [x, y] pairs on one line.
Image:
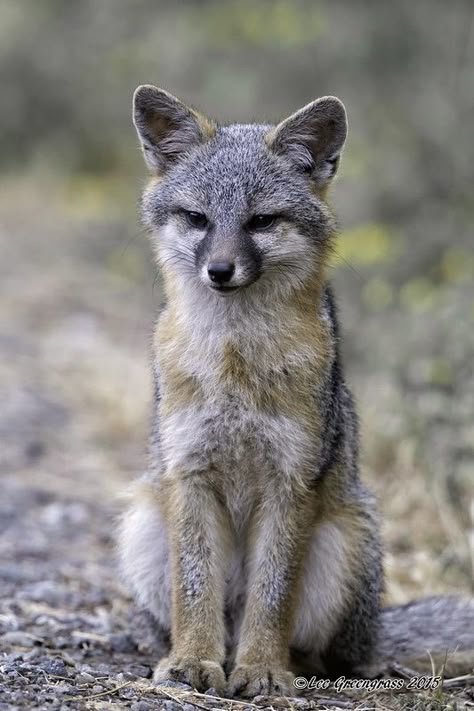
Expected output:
{"points": [[430, 635]]}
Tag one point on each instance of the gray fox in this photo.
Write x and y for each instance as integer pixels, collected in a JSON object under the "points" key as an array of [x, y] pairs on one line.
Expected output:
{"points": [[251, 539]]}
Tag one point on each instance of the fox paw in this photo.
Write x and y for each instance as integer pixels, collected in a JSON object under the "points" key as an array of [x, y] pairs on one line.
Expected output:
{"points": [[254, 680], [201, 674]]}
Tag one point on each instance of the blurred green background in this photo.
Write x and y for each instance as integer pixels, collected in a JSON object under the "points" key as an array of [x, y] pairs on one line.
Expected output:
{"points": [[79, 290]]}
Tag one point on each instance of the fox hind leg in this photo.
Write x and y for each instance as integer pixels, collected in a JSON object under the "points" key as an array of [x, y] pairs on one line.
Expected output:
{"points": [[337, 616], [144, 555]]}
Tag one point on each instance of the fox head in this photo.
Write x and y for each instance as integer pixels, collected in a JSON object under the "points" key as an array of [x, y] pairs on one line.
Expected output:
{"points": [[240, 208]]}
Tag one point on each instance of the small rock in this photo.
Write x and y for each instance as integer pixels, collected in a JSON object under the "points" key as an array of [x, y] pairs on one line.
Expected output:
{"points": [[212, 692], [122, 642], [171, 706], [97, 688], [141, 706], [139, 670], [63, 688], [125, 676], [175, 684], [53, 666], [85, 678], [127, 693]]}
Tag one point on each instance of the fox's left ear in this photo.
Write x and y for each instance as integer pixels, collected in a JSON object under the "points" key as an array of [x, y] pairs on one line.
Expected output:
{"points": [[167, 128], [313, 137]]}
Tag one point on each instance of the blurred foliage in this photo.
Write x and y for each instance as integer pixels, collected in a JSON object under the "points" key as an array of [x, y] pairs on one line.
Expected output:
{"points": [[365, 244], [277, 24], [404, 70]]}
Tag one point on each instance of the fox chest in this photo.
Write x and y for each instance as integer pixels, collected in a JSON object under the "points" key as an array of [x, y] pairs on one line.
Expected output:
{"points": [[242, 425], [239, 449], [245, 420]]}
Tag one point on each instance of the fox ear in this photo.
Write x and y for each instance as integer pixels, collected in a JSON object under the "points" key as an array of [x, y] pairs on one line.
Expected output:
{"points": [[166, 127], [313, 137]]}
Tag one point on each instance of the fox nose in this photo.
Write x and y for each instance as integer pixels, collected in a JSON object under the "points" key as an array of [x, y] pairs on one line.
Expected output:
{"points": [[220, 272]]}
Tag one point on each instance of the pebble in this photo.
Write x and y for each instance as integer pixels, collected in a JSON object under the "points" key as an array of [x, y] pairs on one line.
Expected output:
{"points": [[63, 688], [53, 666], [175, 684], [122, 642], [171, 706], [85, 678], [127, 676], [140, 670], [143, 706], [127, 693]]}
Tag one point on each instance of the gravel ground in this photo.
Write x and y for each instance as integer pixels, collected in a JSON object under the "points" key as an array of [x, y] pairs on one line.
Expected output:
{"points": [[71, 639]]}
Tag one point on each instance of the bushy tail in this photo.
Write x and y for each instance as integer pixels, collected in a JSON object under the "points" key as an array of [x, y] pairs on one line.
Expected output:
{"points": [[431, 632]]}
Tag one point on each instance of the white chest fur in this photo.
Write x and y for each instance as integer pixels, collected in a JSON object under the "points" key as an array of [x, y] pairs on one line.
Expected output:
{"points": [[222, 429]]}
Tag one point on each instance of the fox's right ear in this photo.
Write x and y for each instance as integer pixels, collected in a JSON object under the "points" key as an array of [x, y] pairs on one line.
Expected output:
{"points": [[167, 128]]}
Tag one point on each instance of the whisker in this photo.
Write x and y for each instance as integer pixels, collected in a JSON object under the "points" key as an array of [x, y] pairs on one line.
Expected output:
{"points": [[134, 236], [347, 264]]}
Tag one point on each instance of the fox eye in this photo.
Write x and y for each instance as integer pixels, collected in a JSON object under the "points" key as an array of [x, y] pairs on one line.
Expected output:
{"points": [[261, 222], [196, 219]]}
